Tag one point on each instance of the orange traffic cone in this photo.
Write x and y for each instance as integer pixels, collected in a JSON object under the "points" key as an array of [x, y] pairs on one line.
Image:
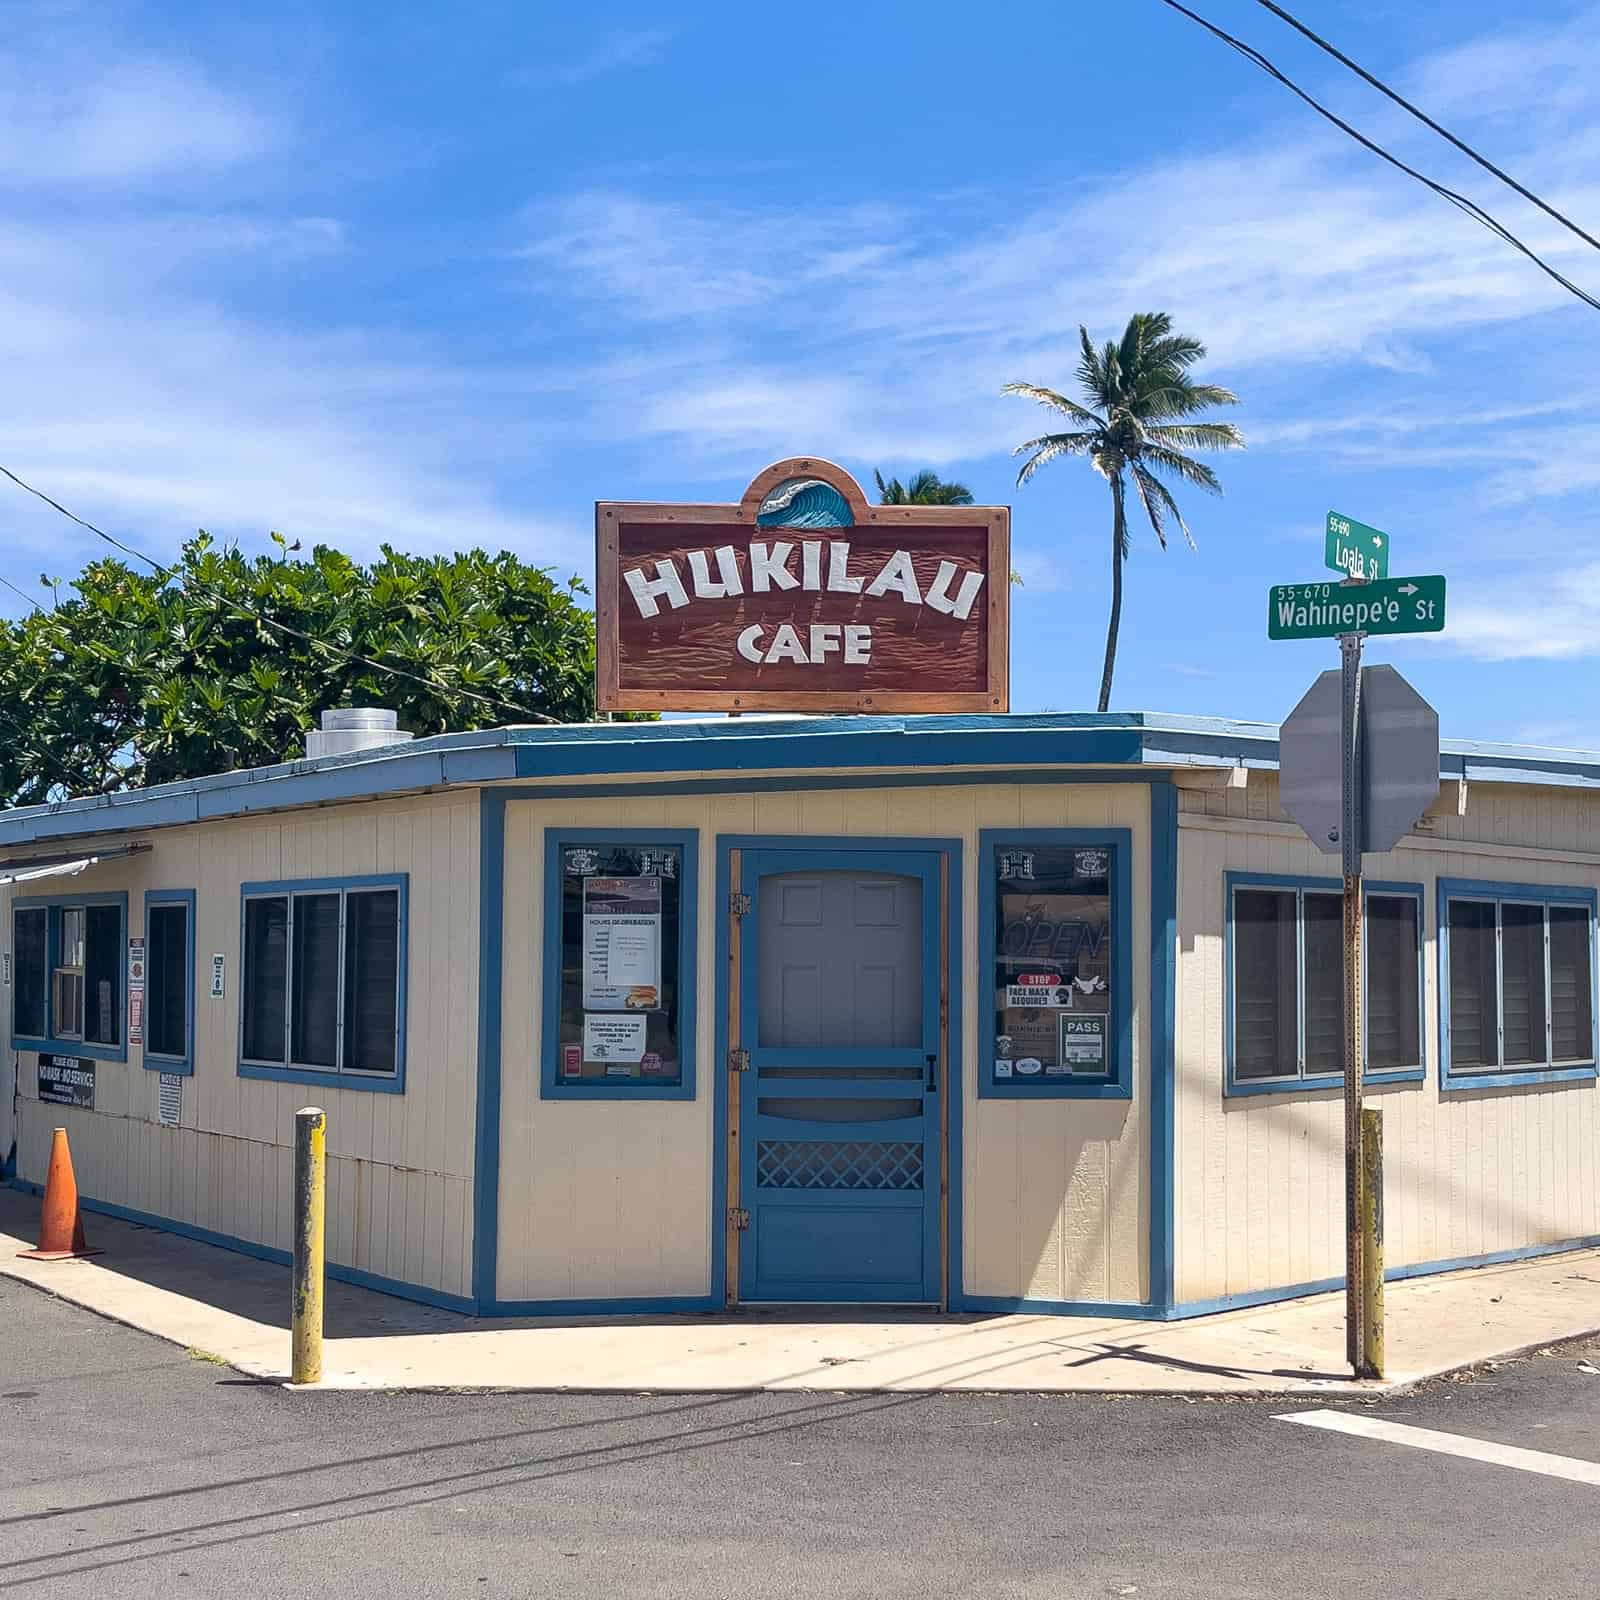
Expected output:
{"points": [[60, 1222]]}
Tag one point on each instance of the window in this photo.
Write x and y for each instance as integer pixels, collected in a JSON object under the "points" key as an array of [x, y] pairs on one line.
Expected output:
{"points": [[1286, 983], [1516, 968], [68, 957], [324, 982], [169, 980], [1054, 937], [619, 964], [30, 960]]}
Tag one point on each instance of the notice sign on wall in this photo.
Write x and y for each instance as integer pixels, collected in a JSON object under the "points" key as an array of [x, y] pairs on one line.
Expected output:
{"points": [[169, 1100], [66, 1081], [802, 597], [135, 991]]}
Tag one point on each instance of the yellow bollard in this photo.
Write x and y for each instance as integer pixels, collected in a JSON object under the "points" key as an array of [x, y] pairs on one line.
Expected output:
{"points": [[1372, 1242], [305, 1306]]}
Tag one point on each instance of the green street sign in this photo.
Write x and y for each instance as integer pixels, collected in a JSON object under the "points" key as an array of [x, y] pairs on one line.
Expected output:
{"points": [[1325, 610], [1355, 549]]}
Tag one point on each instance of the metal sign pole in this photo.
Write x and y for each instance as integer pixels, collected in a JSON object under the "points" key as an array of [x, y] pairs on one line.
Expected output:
{"points": [[1350, 840]]}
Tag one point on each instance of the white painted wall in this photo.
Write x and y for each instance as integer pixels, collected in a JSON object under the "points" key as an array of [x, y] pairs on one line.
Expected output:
{"points": [[1259, 1179], [400, 1165]]}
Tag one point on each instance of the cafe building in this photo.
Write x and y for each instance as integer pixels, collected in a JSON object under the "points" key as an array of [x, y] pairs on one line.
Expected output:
{"points": [[909, 1001]]}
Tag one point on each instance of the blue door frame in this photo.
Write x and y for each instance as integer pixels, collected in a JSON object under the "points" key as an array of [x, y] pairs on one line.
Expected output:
{"points": [[806, 1224]]}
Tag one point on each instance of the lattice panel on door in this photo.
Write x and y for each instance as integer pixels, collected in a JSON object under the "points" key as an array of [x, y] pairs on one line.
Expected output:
{"points": [[837, 1164]]}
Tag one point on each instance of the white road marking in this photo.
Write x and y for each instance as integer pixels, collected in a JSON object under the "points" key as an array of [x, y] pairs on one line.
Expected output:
{"points": [[1450, 1444]]}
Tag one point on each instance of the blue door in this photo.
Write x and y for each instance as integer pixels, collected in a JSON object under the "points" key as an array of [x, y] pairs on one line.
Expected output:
{"points": [[840, 1130]]}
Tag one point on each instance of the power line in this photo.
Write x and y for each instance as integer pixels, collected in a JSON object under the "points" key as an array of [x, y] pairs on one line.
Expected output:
{"points": [[20, 595], [1423, 117], [347, 657], [1471, 207]]}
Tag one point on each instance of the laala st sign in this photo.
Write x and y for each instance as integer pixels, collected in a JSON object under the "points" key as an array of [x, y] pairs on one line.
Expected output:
{"points": [[802, 597]]}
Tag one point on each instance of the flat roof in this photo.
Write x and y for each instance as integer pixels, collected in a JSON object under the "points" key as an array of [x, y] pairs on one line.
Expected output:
{"points": [[690, 748]]}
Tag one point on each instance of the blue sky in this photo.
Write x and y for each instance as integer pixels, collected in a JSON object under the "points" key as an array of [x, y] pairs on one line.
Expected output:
{"points": [[446, 275]]}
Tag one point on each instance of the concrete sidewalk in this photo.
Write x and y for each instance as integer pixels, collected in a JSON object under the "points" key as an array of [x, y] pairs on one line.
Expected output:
{"points": [[235, 1307]]}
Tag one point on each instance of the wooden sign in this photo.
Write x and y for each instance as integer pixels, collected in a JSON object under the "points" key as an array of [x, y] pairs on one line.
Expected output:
{"points": [[802, 597]]}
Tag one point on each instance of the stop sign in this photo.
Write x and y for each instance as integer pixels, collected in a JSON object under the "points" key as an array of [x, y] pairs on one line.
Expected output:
{"points": [[1399, 760]]}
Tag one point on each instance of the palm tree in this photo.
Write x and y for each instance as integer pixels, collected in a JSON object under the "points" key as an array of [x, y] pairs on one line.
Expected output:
{"points": [[1139, 395], [927, 488]]}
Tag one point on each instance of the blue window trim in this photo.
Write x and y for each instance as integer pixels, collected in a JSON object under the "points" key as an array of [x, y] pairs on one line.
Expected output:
{"points": [[1235, 1087], [551, 1084], [1118, 1082], [50, 1045], [175, 1066], [1548, 894], [361, 1082]]}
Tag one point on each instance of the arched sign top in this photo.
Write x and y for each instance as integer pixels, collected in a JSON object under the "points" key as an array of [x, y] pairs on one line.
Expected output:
{"points": [[803, 596], [796, 474]]}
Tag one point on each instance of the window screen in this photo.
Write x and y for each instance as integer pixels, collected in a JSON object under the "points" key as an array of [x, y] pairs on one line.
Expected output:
{"points": [[314, 1041], [266, 977], [1522, 983], [1324, 914], [1287, 994], [30, 957], [1266, 1017], [103, 961], [371, 979], [1474, 987], [167, 978], [1571, 991], [322, 979], [1393, 1019]]}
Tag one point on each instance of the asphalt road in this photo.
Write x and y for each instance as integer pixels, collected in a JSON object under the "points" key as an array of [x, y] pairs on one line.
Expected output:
{"points": [[133, 1469]]}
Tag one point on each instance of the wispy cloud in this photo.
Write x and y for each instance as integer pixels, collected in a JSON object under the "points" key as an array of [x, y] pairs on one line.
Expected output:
{"points": [[1543, 616], [119, 120], [1285, 257], [614, 52]]}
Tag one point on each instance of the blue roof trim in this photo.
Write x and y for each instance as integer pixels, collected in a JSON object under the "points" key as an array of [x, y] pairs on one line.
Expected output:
{"points": [[742, 744]]}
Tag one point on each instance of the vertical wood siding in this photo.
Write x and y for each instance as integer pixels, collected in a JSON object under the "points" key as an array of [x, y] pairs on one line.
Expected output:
{"points": [[1260, 1179], [601, 1199], [399, 1165]]}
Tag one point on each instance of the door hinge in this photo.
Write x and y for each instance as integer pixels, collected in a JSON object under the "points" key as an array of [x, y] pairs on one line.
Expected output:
{"points": [[739, 904], [738, 1061], [738, 1218]]}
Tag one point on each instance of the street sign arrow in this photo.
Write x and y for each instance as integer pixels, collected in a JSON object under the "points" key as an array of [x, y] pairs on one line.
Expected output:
{"points": [[1326, 610]]}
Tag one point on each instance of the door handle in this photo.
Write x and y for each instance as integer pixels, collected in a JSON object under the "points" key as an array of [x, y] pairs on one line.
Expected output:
{"points": [[933, 1074]]}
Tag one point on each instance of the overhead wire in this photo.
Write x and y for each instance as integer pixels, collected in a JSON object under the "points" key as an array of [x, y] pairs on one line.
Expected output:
{"points": [[1470, 207], [25, 598], [347, 657], [1427, 121]]}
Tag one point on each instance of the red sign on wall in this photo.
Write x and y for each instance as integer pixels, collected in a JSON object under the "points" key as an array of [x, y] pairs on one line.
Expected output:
{"points": [[802, 597]]}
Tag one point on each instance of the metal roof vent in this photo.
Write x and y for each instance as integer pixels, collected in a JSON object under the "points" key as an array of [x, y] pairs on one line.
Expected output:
{"points": [[354, 728]]}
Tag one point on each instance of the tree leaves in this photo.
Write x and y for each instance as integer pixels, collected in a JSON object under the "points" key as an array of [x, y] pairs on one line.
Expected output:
{"points": [[134, 679]]}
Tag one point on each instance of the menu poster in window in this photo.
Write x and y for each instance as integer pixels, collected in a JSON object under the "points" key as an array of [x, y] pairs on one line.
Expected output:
{"points": [[621, 944], [621, 908]]}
